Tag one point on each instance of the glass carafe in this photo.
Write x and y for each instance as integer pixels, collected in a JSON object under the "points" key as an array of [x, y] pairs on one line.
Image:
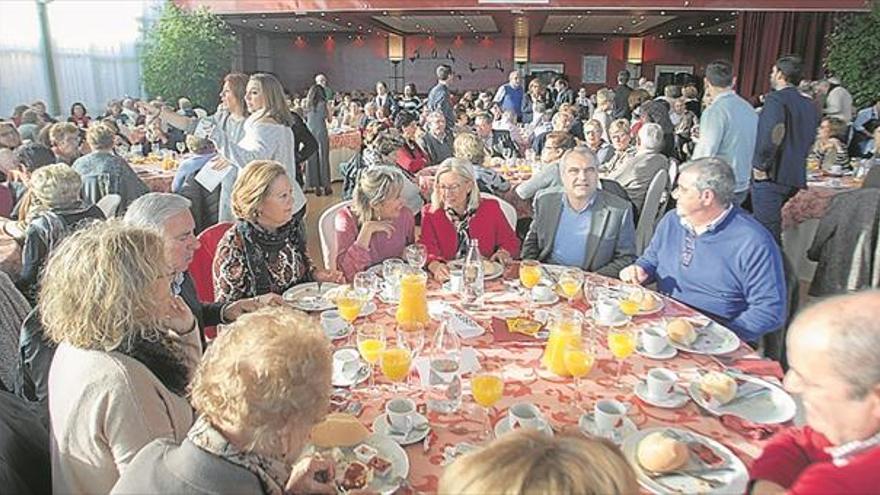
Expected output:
{"points": [[412, 310], [566, 329]]}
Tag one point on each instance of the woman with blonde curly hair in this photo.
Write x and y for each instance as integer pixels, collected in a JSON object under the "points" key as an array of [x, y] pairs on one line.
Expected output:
{"points": [[377, 225], [528, 462], [125, 349], [55, 210], [261, 387], [458, 214], [266, 249]]}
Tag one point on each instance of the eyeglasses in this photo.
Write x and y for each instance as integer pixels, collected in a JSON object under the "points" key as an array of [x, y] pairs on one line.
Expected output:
{"points": [[449, 187], [690, 245]]}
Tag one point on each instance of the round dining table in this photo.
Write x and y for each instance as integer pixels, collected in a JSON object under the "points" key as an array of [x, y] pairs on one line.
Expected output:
{"points": [[525, 380]]}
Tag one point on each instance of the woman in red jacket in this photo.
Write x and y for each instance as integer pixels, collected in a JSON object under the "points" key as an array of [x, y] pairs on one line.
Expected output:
{"points": [[457, 214], [410, 157]]}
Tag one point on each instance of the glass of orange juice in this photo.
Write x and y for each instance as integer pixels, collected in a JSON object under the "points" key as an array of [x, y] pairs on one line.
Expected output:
{"points": [[622, 343], [395, 362], [371, 344], [570, 283], [529, 276], [350, 303], [579, 359], [487, 388]]}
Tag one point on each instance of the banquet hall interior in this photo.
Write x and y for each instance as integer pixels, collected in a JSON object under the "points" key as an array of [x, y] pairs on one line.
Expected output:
{"points": [[460, 247]]}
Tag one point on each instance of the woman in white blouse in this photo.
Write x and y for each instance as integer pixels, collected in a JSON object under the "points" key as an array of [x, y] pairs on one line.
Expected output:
{"points": [[267, 135]]}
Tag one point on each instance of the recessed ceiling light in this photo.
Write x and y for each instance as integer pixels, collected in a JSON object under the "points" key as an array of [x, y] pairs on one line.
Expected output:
{"points": [[261, 24], [244, 21]]}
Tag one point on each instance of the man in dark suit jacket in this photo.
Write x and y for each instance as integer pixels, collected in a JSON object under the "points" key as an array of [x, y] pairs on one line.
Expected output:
{"points": [[497, 141], [621, 96], [438, 97], [384, 99], [581, 225], [564, 94], [169, 215], [786, 130]]}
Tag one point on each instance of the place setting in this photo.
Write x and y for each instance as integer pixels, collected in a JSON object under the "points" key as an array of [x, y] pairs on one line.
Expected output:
{"points": [[311, 296], [729, 393], [608, 419], [660, 389], [701, 335], [402, 422], [654, 344]]}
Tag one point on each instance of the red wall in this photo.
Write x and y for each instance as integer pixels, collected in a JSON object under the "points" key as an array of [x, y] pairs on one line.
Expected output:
{"points": [[358, 64]]}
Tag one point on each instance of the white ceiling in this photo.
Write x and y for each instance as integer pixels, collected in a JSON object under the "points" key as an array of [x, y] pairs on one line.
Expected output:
{"points": [[603, 24], [440, 24]]}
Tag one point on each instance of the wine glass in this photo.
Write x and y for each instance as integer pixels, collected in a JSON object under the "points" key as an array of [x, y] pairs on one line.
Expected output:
{"points": [[412, 336], [570, 282], [579, 359], [395, 362], [622, 343], [371, 345], [366, 283], [392, 269], [529, 276], [416, 255], [487, 388], [181, 147], [350, 303]]}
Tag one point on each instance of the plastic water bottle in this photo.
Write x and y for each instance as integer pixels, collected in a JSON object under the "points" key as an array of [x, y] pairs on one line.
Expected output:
{"points": [[472, 275], [444, 376]]}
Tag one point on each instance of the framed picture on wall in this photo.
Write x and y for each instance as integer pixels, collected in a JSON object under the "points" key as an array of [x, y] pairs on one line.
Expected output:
{"points": [[594, 69], [542, 68]]}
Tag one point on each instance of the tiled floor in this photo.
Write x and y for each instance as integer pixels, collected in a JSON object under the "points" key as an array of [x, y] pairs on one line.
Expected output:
{"points": [[315, 206]]}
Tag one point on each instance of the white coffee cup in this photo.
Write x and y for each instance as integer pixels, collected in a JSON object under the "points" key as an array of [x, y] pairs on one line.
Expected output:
{"points": [[607, 310], [332, 323], [654, 340], [400, 413], [660, 382], [542, 293], [525, 415], [346, 363], [455, 278], [609, 414]]}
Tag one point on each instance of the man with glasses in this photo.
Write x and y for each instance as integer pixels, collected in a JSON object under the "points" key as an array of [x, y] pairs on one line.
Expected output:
{"points": [[581, 225], [713, 256]]}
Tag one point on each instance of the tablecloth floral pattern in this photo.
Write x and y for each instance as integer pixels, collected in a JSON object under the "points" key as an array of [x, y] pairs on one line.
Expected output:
{"points": [[350, 139], [812, 202]]}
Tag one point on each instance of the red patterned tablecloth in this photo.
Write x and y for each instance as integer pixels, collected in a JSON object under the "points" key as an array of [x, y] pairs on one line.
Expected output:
{"points": [[348, 139], [812, 202], [526, 380], [523, 207]]}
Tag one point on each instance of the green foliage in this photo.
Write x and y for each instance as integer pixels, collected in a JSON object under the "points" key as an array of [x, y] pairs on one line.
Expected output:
{"points": [[854, 55], [187, 53]]}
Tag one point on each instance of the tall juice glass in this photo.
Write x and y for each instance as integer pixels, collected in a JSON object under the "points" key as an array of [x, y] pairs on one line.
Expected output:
{"points": [[395, 364], [371, 344], [579, 361], [622, 343], [487, 389], [529, 276]]}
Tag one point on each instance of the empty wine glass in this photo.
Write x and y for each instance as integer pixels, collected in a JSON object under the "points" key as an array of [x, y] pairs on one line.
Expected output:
{"points": [[181, 147], [416, 255], [366, 283]]}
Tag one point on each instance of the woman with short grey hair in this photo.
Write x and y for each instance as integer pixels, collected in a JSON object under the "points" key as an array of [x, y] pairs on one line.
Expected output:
{"points": [[636, 172], [56, 210], [457, 214], [377, 225]]}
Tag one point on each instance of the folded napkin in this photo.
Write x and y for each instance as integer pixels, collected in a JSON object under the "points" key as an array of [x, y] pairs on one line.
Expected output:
{"points": [[468, 363], [759, 367], [502, 334], [746, 428]]}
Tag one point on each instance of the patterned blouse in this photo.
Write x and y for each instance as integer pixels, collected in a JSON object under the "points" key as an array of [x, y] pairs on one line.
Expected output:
{"points": [[251, 261]]}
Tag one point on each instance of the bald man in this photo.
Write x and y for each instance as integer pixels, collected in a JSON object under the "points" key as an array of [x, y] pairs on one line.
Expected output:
{"points": [[835, 369], [509, 96]]}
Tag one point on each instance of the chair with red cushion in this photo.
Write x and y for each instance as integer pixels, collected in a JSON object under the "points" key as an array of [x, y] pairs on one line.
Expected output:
{"points": [[201, 268]]}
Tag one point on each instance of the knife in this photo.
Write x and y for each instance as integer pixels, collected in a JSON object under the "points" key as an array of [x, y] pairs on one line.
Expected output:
{"points": [[747, 396]]}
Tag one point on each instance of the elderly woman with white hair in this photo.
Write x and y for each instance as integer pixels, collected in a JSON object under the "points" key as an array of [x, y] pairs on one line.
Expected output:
{"points": [[56, 209], [255, 412], [458, 214], [635, 173], [377, 225]]}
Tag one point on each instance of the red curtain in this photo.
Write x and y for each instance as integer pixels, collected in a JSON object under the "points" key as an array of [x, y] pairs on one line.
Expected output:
{"points": [[762, 37]]}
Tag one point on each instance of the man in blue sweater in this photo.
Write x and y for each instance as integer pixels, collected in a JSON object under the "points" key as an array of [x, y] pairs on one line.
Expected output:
{"points": [[710, 254]]}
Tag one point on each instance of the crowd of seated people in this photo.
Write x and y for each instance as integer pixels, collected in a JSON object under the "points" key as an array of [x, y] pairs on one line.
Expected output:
{"points": [[134, 405]]}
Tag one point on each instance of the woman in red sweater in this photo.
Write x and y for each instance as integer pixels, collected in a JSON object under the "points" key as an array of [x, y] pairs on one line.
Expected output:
{"points": [[457, 214], [410, 157]]}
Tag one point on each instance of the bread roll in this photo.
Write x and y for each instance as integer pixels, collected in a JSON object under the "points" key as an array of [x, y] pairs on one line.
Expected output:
{"points": [[719, 386], [649, 302], [659, 453], [338, 430], [681, 331]]}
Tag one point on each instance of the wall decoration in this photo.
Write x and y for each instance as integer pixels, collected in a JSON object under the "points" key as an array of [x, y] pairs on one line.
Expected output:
{"points": [[593, 69], [498, 66], [543, 68]]}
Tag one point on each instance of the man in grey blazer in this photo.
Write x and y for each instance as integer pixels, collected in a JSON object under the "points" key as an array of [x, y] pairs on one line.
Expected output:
{"points": [[581, 225]]}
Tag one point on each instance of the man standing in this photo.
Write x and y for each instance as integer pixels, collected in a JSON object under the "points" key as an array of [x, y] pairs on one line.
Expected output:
{"points": [[834, 368], [438, 97], [621, 97], [713, 256], [321, 80], [564, 94], [786, 131], [437, 142], [728, 128], [385, 100], [509, 96], [581, 225]]}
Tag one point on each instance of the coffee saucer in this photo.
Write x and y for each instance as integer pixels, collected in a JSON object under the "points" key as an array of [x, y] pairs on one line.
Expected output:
{"points": [[668, 352], [588, 426], [553, 299], [503, 426], [343, 376], [419, 431], [674, 400], [622, 319]]}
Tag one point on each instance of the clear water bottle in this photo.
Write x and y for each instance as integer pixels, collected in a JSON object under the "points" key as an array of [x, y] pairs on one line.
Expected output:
{"points": [[472, 275], [444, 376]]}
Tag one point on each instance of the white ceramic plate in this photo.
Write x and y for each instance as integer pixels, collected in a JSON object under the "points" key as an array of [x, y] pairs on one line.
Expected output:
{"points": [[621, 320], [776, 406], [712, 339], [417, 434], [491, 269], [307, 297], [668, 353], [735, 480], [390, 450]]}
